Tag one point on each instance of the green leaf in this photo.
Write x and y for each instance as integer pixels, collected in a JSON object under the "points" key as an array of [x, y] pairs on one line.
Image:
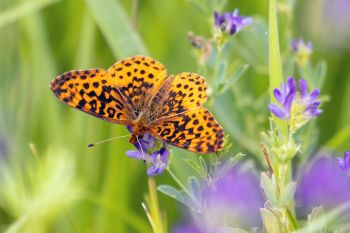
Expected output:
{"points": [[233, 78], [320, 74], [316, 212], [11, 15], [203, 165], [269, 186], [116, 28], [271, 224], [194, 188], [288, 193], [194, 165], [176, 194], [318, 224], [228, 164], [221, 73]]}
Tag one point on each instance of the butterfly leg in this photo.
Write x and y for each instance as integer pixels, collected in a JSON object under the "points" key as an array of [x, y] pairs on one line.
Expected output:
{"points": [[143, 154]]}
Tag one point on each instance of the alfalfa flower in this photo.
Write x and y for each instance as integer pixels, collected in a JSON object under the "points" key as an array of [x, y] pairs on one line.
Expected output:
{"points": [[301, 50], [322, 183], [228, 24], [232, 200], [344, 163], [203, 47], [158, 158], [297, 107]]}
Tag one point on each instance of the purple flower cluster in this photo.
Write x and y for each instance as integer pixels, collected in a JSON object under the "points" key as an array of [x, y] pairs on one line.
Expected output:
{"points": [[293, 103], [158, 159], [231, 23]]}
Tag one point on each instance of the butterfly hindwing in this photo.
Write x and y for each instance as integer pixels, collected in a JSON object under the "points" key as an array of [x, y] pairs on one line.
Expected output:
{"points": [[195, 130], [93, 92], [186, 91]]}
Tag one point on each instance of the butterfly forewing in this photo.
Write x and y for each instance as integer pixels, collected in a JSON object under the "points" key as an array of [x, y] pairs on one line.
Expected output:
{"points": [[138, 78], [93, 92]]}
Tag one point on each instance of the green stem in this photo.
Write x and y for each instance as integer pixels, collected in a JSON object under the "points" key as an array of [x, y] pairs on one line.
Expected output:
{"points": [[275, 79], [154, 207]]}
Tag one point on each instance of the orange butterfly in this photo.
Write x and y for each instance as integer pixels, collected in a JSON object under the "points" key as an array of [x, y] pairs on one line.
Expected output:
{"points": [[137, 92]]}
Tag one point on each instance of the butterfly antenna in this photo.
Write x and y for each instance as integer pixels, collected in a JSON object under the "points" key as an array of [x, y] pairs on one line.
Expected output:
{"points": [[143, 154], [107, 140]]}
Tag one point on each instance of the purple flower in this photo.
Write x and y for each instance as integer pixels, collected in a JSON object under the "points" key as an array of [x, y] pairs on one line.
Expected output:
{"points": [[284, 96], [297, 107], [231, 23], [298, 44], [309, 100], [158, 159], [323, 184], [302, 51], [233, 200], [344, 163]]}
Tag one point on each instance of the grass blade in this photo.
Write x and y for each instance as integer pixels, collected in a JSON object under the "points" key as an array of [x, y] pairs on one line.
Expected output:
{"points": [[275, 64], [116, 28], [11, 15]]}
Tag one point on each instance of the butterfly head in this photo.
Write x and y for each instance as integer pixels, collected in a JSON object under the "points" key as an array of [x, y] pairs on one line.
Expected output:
{"points": [[138, 130]]}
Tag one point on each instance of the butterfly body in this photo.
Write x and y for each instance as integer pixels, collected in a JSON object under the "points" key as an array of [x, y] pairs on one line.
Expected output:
{"points": [[137, 92]]}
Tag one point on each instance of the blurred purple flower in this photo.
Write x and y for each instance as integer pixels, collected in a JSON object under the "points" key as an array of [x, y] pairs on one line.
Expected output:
{"points": [[344, 163], [233, 200], [297, 44], [231, 23], [158, 159], [323, 184], [186, 228], [334, 20], [303, 106], [302, 51]]}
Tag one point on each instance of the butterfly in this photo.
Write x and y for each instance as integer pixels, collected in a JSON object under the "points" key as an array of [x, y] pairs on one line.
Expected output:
{"points": [[137, 92]]}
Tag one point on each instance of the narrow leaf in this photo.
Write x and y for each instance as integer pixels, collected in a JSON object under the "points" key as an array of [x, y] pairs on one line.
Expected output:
{"points": [[176, 194], [275, 64], [195, 188], [23, 9], [235, 77], [116, 28]]}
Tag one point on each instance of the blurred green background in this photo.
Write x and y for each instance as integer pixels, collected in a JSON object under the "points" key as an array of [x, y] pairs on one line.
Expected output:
{"points": [[50, 180]]}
